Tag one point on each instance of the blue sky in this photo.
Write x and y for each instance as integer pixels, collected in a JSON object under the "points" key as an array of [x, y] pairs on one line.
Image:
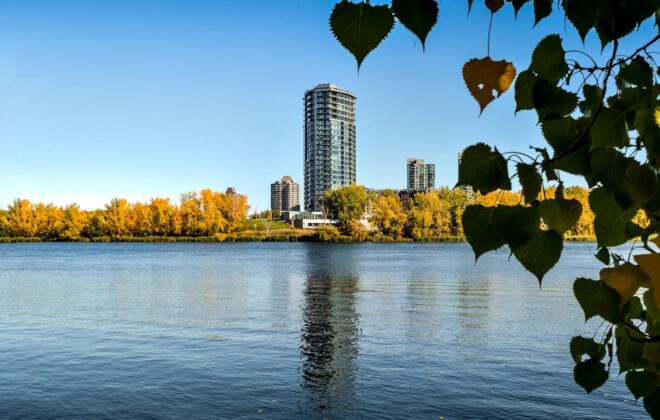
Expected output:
{"points": [[143, 98]]}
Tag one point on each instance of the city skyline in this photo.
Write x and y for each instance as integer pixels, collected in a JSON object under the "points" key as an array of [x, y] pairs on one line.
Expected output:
{"points": [[124, 104]]}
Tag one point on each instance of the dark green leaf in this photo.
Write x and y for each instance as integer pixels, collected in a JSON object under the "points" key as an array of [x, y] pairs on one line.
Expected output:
{"points": [[516, 224], [541, 253], [609, 129], [530, 180], [651, 352], [603, 256], [593, 95], [597, 299], [360, 27], [609, 167], [576, 163], [610, 219], [590, 374], [642, 182], [560, 215], [637, 73], [542, 9], [479, 232], [549, 100], [559, 132], [582, 14], [652, 404], [642, 383], [524, 85], [419, 16], [517, 4], [634, 309], [548, 59], [494, 5], [484, 169], [629, 352], [582, 345]]}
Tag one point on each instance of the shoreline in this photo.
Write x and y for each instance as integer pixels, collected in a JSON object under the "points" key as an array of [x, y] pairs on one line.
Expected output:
{"points": [[244, 239]]}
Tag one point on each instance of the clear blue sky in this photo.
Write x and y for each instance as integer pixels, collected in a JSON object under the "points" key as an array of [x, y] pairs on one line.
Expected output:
{"points": [[143, 98]]}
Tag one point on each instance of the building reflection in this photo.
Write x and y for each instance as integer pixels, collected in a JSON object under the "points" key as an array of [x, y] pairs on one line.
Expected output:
{"points": [[330, 330]]}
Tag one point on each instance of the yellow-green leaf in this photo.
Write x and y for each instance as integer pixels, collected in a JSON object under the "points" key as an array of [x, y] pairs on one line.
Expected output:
{"points": [[625, 279], [485, 77]]}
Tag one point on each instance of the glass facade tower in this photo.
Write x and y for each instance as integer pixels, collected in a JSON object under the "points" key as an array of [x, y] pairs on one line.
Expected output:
{"points": [[329, 141]]}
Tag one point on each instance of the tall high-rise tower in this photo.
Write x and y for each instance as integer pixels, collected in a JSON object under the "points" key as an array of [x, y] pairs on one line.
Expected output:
{"points": [[329, 141], [421, 176]]}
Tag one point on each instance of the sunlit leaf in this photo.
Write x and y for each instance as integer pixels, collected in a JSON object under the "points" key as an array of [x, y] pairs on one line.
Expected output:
{"points": [[487, 79], [548, 59], [560, 214], [516, 224], [479, 231], [540, 253], [360, 27], [484, 169], [530, 180], [419, 16], [650, 263], [625, 279], [590, 374], [597, 299], [642, 383]]}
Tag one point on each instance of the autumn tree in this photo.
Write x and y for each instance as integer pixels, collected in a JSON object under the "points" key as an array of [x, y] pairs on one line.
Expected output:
{"points": [[346, 205], [387, 214], [601, 121], [429, 216]]}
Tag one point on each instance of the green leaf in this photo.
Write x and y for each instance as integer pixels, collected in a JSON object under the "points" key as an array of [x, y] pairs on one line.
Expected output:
{"points": [[419, 16], [576, 163], [637, 73], [634, 309], [609, 167], [610, 219], [582, 345], [560, 215], [603, 256], [516, 224], [541, 253], [609, 129], [479, 231], [593, 95], [559, 132], [590, 374], [550, 100], [582, 14], [651, 352], [642, 183], [360, 27], [523, 88], [629, 352], [548, 59], [530, 180], [542, 9], [596, 299], [652, 404], [642, 383], [483, 169]]}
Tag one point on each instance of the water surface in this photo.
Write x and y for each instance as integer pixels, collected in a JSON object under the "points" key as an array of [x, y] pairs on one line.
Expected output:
{"points": [[262, 330]]}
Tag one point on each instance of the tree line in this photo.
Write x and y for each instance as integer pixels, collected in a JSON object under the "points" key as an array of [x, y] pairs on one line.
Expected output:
{"points": [[203, 213], [431, 215]]}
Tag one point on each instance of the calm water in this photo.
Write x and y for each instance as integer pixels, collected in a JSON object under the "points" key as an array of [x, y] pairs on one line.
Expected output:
{"points": [[290, 331]]}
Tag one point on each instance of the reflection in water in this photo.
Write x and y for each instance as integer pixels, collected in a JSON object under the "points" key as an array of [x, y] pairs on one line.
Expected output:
{"points": [[474, 308], [329, 336]]}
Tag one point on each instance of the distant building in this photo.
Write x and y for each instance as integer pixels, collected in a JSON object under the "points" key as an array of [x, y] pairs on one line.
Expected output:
{"points": [[421, 176], [285, 195], [467, 188], [329, 148]]}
